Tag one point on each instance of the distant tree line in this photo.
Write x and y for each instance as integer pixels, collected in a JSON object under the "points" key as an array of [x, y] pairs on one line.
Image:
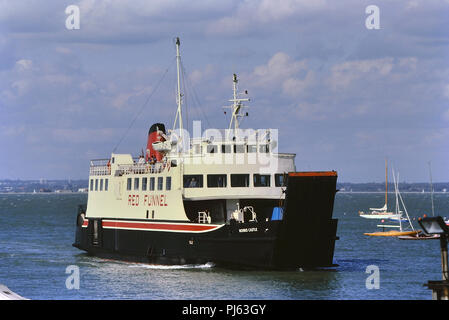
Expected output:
{"points": [[403, 187]]}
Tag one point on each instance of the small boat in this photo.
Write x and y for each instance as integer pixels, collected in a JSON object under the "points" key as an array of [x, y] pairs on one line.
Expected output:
{"points": [[381, 213], [7, 294], [393, 233], [162, 146], [398, 218], [423, 236], [401, 231], [420, 236]]}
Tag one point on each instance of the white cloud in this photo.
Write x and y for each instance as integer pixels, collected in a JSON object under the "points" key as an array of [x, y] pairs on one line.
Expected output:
{"points": [[199, 75], [281, 72], [344, 74], [252, 15], [24, 64]]}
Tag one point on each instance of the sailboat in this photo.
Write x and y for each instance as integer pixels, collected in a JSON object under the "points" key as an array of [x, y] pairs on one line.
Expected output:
{"points": [[382, 213], [402, 231], [422, 236]]}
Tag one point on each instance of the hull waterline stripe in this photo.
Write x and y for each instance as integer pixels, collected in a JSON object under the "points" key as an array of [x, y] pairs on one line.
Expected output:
{"points": [[158, 226]]}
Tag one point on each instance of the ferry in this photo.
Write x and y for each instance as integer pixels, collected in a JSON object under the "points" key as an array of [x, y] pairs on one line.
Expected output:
{"points": [[226, 197]]}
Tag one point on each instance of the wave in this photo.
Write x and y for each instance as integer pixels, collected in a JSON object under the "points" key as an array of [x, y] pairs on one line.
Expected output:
{"points": [[207, 265]]}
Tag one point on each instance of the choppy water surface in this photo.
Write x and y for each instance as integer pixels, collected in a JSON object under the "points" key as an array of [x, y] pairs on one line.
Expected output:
{"points": [[37, 232]]}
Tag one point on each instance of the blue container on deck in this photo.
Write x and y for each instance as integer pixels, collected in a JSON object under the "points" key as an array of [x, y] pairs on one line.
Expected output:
{"points": [[277, 213]]}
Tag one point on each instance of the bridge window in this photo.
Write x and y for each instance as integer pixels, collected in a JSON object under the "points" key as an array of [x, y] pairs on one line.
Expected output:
{"points": [[264, 148], [152, 184], [239, 180], [168, 183], [261, 180], [91, 184], [128, 184], [96, 184], [239, 148], [280, 180], [193, 181], [144, 184], [211, 148], [216, 181], [101, 184], [136, 183], [226, 148], [106, 184], [160, 183], [251, 148]]}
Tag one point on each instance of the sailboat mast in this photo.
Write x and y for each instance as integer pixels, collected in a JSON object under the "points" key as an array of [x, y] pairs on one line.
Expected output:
{"points": [[431, 189], [386, 184], [396, 191]]}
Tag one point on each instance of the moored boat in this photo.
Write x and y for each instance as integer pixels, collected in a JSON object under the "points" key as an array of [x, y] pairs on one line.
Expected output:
{"points": [[392, 233], [402, 232], [382, 213]]}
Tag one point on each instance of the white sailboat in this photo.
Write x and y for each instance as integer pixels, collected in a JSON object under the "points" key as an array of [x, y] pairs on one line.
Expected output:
{"points": [[403, 231], [382, 213]]}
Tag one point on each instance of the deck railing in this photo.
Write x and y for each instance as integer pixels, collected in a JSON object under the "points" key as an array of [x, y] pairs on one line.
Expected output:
{"points": [[141, 168], [102, 167]]}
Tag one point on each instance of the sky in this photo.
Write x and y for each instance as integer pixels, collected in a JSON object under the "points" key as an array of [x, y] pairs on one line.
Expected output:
{"points": [[346, 87]]}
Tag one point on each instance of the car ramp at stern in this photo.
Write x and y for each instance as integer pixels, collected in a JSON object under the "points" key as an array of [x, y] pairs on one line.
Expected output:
{"points": [[307, 235]]}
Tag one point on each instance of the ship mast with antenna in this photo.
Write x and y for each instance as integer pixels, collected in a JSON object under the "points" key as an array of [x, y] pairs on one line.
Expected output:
{"points": [[236, 107], [179, 94]]}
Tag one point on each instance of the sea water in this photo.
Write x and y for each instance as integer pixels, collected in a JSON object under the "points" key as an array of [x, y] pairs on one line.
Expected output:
{"points": [[37, 260]]}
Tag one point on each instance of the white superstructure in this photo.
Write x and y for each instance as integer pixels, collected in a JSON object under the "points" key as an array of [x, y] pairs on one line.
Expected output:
{"points": [[218, 165]]}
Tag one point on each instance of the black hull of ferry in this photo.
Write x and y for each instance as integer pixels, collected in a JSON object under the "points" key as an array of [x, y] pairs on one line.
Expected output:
{"points": [[304, 238]]}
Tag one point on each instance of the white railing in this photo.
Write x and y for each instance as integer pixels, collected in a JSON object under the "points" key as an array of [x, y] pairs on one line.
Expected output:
{"points": [[100, 167], [100, 171], [142, 168]]}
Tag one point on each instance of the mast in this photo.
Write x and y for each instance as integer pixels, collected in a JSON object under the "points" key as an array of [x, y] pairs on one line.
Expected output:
{"points": [[405, 208], [236, 106], [386, 184], [431, 189], [179, 94], [396, 192]]}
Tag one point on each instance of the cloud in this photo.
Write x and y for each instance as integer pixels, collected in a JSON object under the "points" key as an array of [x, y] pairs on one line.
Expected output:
{"points": [[24, 64], [281, 74], [311, 67], [252, 15], [344, 74]]}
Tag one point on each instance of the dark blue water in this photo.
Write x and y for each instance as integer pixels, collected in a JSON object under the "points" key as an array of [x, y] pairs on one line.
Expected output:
{"points": [[37, 232]]}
